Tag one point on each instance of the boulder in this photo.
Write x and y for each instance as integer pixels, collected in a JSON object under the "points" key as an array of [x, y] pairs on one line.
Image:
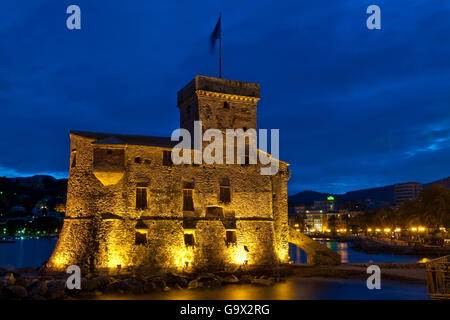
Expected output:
{"points": [[37, 287], [262, 282], [24, 282], [194, 284], [245, 278], [17, 292], [150, 286], [231, 279], [25, 270], [55, 289], [134, 286], [89, 284], [37, 297], [113, 286]]}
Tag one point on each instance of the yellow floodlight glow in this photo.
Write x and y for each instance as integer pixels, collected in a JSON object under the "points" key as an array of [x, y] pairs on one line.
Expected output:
{"points": [[397, 230], [414, 229], [369, 229], [421, 229], [378, 230], [387, 230]]}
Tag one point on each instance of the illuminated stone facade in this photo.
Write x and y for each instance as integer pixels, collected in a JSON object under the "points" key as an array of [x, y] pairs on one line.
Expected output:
{"points": [[129, 207]]}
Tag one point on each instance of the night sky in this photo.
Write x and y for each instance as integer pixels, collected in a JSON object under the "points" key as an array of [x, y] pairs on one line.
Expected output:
{"points": [[356, 108]]}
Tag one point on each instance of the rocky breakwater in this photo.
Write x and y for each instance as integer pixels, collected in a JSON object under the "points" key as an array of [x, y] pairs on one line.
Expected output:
{"points": [[36, 284]]}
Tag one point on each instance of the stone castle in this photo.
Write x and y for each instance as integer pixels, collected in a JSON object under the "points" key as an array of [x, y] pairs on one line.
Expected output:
{"points": [[130, 207]]}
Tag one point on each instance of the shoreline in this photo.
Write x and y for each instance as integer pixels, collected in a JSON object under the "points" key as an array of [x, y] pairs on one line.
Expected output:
{"points": [[35, 284], [370, 246]]}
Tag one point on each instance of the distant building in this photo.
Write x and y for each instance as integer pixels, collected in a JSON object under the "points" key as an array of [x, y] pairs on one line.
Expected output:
{"points": [[339, 220], [407, 191], [60, 207], [316, 220], [328, 204]]}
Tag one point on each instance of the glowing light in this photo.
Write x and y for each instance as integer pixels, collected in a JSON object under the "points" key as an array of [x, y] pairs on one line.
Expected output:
{"points": [[369, 229], [330, 198], [239, 255], [378, 230], [387, 230], [183, 257], [397, 230], [421, 229], [296, 225], [328, 230], [413, 229]]}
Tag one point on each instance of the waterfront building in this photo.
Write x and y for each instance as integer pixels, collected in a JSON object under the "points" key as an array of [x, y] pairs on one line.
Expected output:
{"points": [[128, 206], [407, 191], [316, 220]]}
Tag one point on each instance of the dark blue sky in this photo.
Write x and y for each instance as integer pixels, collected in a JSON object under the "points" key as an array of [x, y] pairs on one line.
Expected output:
{"points": [[356, 108]]}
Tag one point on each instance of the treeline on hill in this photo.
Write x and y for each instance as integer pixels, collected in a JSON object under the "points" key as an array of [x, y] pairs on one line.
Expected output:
{"points": [[27, 204], [30, 192], [431, 209]]}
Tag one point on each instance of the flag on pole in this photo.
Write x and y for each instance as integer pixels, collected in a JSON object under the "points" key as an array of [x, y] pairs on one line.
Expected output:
{"points": [[217, 34]]}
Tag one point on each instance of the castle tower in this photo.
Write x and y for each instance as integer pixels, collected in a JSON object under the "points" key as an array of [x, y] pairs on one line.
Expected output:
{"points": [[218, 103]]}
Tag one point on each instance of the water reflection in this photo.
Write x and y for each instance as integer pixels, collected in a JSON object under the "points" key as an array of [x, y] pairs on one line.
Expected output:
{"points": [[26, 252], [292, 289], [349, 255]]}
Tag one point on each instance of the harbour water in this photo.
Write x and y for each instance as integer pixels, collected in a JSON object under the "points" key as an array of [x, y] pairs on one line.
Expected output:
{"points": [[349, 255], [26, 252]]}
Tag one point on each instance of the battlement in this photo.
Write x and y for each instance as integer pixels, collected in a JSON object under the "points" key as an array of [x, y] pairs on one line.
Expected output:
{"points": [[218, 85]]}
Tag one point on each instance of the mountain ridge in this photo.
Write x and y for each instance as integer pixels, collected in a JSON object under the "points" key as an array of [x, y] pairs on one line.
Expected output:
{"points": [[376, 196]]}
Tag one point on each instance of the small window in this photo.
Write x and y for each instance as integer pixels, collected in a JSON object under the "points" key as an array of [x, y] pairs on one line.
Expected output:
{"points": [[231, 237], [189, 239], [188, 201], [167, 158], [137, 160], [226, 105], [246, 160], [141, 198], [225, 194], [141, 238], [74, 158], [109, 151]]}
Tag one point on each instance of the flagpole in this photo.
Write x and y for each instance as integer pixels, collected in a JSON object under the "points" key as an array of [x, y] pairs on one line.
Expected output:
{"points": [[220, 48]]}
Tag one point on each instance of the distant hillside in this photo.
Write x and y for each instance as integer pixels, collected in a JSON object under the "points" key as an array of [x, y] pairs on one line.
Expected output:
{"points": [[373, 196], [28, 192], [445, 182]]}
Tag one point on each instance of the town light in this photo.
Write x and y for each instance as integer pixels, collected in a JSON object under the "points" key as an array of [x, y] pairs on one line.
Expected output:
{"points": [[421, 229], [414, 229], [369, 229], [378, 230], [387, 230], [397, 230]]}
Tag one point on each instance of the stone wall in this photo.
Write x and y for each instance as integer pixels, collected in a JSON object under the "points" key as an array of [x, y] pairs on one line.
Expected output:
{"points": [[99, 231]]}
